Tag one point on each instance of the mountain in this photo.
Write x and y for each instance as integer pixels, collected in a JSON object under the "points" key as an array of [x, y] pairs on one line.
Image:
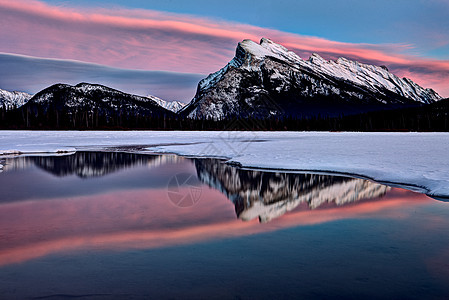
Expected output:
{"points": [[93, 96], [88, 106], [173, 106], [10, 100], [266, 79], [268, 195]]}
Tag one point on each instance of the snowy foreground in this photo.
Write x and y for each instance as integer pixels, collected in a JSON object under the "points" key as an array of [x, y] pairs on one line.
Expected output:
{"points": [[419, 161]]}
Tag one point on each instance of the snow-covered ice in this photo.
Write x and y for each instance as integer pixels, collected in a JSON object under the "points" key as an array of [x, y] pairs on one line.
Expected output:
{"points": [[418, 160]]}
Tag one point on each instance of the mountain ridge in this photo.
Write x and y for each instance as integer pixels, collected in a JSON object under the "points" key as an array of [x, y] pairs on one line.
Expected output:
{"points": [[10, 100], [90, 96], [87, 106], [265, 84], [267, 79]]}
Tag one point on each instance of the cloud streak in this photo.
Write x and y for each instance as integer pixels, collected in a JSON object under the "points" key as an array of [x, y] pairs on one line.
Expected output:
{"points": [[152, 40], [31, 74]]}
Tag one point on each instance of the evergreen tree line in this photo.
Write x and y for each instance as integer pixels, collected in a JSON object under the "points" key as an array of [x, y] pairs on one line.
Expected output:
{"points": [[432, 117]]}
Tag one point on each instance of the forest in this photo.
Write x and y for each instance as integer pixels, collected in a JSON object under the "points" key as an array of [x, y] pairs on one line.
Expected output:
{"points": [[431, 117]]}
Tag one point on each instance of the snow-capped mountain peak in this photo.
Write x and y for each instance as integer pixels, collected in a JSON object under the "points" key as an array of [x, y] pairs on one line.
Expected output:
{"points": [[372, 77], [267, 70], [266, 48], [174, 105], [94, 98], [316, 59], [14, 99]]}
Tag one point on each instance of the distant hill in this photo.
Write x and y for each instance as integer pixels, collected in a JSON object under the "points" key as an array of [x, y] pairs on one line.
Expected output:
{"points": [[10, 100], [88, 106], [174, 106]]}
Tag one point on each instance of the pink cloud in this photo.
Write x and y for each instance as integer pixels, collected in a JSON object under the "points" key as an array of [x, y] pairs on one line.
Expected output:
{"points": [[152, 40]]}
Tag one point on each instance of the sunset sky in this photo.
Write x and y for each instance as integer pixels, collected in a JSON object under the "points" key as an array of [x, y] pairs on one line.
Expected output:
{"points": [[164, 48]]}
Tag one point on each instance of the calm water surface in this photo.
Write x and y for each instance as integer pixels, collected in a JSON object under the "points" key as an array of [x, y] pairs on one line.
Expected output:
{"points": [[98, 225]]}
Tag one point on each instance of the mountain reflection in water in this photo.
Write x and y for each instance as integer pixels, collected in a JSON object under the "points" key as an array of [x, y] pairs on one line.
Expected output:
{"points": [[268, 195], [87, 164], [130, 208], [255, 194]]}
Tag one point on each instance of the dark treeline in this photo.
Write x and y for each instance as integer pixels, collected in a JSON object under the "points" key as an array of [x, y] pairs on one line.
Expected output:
{"points": [[430, 117], [433, 117]]}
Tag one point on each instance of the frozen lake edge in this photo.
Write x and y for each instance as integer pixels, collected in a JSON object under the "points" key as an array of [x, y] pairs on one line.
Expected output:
{"points": [[416, 161]]}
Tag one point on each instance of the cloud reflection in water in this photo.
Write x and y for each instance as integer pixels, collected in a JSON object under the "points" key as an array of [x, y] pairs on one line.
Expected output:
{"points": [[126, 205]]}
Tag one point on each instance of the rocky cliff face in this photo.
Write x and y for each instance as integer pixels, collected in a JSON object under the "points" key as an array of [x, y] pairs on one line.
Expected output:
{"points": [[266, 79], [267, 195]]}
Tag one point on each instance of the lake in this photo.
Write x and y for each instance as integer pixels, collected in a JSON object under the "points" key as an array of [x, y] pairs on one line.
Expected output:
{"points": [[117, 225]]}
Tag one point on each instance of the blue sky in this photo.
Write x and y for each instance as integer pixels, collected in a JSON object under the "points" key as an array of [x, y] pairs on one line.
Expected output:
{"points": [[410, 22]]}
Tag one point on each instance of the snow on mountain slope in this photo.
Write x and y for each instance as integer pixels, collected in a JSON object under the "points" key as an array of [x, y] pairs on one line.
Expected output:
{"points": [[174, 106], [373, 77], [13, 99], [268, 73], [94, 96]]}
